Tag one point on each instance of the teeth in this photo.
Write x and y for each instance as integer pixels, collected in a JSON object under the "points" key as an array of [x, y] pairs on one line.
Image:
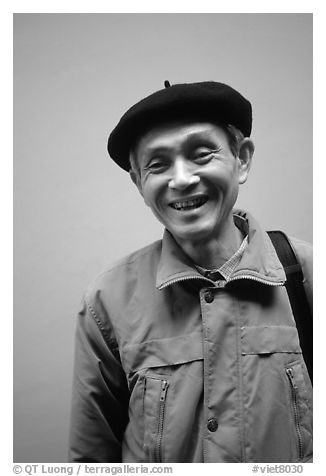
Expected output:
{"points": [[189, 204]]}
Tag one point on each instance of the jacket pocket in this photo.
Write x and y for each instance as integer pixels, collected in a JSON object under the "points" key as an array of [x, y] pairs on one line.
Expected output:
{"points": [[277, 395], [154, 409], [162, 352], [165, 378], [299, 405], [269, 340]]}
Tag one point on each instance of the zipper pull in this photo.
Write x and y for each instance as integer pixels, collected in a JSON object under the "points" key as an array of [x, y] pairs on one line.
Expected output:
{"points": [[289, 373], [163, 390]]}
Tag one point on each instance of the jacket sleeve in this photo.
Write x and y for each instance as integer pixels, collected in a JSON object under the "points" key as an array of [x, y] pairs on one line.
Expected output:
{"points": [[100, 396]]}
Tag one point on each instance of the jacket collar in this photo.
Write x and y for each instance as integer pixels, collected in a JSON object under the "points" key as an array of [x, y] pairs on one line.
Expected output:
{"points": [[259, 261]]}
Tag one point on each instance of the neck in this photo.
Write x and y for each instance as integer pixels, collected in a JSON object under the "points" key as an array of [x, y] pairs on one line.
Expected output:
{"points": [[213, 253]]}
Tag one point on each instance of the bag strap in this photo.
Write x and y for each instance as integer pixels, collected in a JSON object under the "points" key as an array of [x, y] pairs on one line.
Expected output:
{"points": [[297, 295]]}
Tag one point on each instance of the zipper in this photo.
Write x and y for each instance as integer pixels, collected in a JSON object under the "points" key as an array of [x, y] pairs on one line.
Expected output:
{"points": [[177, 280], [259, 280], [247, 276], [294, 389], [158, 446]]}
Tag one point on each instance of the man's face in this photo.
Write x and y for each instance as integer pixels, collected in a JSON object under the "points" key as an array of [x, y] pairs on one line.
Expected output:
{"points": [[189, 178]]}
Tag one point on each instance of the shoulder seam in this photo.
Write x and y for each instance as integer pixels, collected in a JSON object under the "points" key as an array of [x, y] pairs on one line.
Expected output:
{"points": [[100, 325]]}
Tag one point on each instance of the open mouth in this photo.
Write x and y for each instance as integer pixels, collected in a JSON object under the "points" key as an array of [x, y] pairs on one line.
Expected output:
{"points": [[186, 205]]}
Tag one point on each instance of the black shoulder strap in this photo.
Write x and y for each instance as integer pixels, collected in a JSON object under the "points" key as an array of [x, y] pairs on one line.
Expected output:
{"points": [[297, 294]]}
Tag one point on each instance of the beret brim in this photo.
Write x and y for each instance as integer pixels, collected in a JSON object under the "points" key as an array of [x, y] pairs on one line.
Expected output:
{"points": [[209, 101]]}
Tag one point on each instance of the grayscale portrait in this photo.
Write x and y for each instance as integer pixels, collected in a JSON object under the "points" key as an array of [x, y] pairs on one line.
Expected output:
{"points": [[163, 238]]}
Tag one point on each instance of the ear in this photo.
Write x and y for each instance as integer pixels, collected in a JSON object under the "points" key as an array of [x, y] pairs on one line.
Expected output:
{"points": [[136, 179], [246, 151]]}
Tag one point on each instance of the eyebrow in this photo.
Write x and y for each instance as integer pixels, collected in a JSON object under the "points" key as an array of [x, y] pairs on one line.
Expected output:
{"points": [[195, 137], [157, 149], [190, 138]]}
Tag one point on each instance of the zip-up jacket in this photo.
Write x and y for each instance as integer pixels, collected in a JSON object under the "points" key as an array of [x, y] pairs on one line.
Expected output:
{"points": [[171, 366]]}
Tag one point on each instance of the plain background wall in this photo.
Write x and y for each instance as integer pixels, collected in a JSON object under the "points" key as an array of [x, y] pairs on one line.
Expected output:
{"points": [[75, 211]]}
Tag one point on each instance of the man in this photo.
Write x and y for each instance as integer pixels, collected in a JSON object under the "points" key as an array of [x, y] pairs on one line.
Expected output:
{"points": [[187, 350]]}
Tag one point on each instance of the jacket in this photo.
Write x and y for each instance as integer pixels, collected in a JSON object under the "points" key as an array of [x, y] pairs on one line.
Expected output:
{"points": [[173, 367]]}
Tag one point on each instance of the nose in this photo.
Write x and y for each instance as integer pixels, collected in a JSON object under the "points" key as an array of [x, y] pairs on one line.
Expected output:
{"points": [[183, 177]]}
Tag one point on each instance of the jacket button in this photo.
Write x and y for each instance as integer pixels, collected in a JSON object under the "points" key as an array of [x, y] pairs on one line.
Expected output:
{"points": [[220, 284], [212, 424], [209, 297]]}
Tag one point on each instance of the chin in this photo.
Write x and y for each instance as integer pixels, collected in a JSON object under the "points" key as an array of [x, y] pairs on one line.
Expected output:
{"points": [[191, 235]]}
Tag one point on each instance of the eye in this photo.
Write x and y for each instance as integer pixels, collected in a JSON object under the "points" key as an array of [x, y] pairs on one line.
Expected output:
{"points": [[157, 165], [202, 155]]}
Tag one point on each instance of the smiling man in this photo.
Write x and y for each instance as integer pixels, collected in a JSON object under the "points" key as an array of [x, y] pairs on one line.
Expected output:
{"points": [[189, 177], [187, 350]]}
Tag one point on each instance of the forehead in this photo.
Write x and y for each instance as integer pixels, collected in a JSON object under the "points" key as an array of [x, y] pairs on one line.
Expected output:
{"points": [[174, 134]]}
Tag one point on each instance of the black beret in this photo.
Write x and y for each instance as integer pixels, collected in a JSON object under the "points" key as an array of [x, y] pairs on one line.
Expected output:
{"points": [[206, 100]]}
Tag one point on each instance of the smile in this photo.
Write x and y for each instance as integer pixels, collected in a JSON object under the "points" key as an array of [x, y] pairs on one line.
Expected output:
{"points": [[191, 204]]}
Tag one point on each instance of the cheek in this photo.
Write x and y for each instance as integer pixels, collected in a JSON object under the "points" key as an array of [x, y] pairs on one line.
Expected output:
{"points": [[150, 193], [219, 178], [153, 188]]}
